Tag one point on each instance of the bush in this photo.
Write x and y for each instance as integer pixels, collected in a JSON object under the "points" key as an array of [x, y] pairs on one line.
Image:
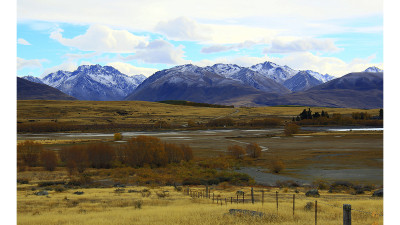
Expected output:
{"points": [[143, 150], [100, 155], [29, 152], [277, 166], [253, 150], [236, 151], [117, 136], [49, 160], [76, 158], [291, 128]]}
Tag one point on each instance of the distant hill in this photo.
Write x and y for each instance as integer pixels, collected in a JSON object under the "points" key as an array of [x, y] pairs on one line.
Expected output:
{"points": [[27, 90], [354, 90]]}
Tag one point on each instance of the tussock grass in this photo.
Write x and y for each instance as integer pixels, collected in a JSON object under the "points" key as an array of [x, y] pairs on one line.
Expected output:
{"points": [[104, 206]]}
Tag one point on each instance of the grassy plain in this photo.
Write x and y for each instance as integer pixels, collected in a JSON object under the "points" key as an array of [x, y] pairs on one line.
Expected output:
{"points": [[106, 206], [138, 112]]}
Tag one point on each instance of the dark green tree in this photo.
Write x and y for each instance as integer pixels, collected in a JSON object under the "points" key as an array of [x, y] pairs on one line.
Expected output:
{"points": [[303, 115], [309, 114], [316, 115]]}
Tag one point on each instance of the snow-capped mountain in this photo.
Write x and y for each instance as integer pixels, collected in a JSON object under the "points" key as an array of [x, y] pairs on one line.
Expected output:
{"points": [[226, 70], [274, 71], [324, 78], [191, 83], [302, 81], [94, 82], [33, 79], [373, 69]]}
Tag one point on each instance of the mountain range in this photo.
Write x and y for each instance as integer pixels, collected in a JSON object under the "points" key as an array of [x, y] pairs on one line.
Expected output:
{"points": [[261, 84]]}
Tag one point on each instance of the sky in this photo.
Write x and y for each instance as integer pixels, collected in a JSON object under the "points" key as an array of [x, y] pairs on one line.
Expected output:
{"points": [[142, 37]]}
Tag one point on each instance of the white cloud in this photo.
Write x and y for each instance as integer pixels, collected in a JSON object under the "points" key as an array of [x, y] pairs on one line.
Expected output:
{"points": [[130, 70], [22, 41], [145, 15], [224, 48], [72, 57], [330, 65], [29, 63], [183, 28], [101, 38], [66, 66], [302, 45], [159, 51]]}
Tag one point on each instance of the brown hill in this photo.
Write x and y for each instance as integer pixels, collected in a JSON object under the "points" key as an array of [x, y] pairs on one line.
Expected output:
{"points": [[27, 90]]}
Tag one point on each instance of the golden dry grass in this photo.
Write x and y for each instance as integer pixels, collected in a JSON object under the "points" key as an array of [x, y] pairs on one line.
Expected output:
{"points": [[104, 206], [139, 112]]}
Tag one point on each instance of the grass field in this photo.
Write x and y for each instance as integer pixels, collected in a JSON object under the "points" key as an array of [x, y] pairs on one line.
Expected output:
{"points": [[137, 112], [106, 206]]}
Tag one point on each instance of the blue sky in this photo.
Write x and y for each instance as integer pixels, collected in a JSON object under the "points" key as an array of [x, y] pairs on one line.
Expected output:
{"points": [[141, 37]]}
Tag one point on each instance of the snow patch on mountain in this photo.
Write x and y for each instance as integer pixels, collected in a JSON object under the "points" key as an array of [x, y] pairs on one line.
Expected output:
{"points": [[373, 69]]}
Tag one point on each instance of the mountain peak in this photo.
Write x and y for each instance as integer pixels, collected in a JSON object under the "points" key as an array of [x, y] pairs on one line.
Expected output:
{"points": [[373, 69]]}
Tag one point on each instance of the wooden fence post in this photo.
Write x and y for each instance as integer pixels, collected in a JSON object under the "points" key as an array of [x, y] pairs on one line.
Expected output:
{"points": [[243, 197], [262, 197], [213, 197], [206, 191], [276, 202], [346, 214], [293, 202], [316, 212], [209, 193], [252, 196], [237, 199]]}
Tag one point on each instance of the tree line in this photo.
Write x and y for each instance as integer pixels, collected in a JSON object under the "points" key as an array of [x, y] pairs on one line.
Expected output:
{"points": [[307, 117], [137, 152]]}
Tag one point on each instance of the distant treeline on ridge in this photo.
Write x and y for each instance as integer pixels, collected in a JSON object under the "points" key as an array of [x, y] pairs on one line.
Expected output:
{"points": [[188, 103]]}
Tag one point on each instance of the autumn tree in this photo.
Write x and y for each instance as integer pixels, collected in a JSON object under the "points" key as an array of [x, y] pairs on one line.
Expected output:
{"points": [[143, 150], [100, 155], [49, 159], [236, 151], [174, 152], [187, 152], [28, 152], [75, 158], [253, 150]]}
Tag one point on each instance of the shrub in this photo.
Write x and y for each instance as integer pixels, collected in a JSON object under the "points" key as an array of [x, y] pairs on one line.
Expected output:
{"points": [[253, 150], [117, 136], [277, 166], [174, 152], [291, 128], [28, 152], [76, 158], [236, 151], [187, 152], [138, 204], [143, 150], [49, 160], [100, 155]]}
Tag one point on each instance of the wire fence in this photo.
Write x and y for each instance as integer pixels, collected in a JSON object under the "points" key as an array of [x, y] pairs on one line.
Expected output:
{"points": [[278, 198]]}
